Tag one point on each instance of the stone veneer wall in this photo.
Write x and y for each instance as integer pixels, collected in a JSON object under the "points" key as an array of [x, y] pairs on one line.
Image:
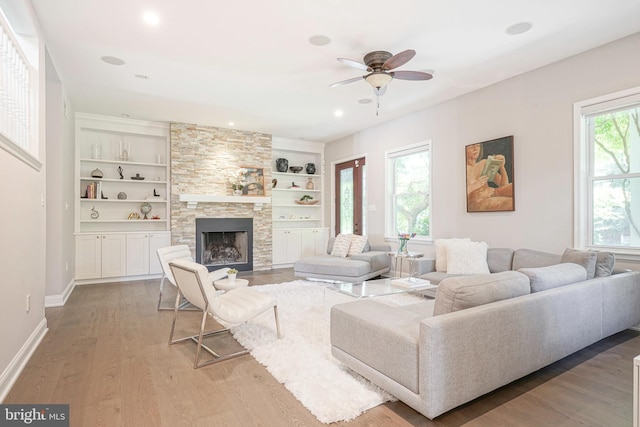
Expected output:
{"points": [[201, 159]]}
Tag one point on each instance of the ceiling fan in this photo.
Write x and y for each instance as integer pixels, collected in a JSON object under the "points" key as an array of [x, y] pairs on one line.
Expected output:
{"points": [[379, 64]]}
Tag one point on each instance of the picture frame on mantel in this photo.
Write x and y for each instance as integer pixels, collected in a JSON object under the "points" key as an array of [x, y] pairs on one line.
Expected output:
{"points": [[489, 182], [254, 178]]}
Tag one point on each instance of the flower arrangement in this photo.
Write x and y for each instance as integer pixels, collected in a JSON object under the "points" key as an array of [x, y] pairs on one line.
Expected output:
{"points": [[404, 238], [237, 179], [232, 271]]}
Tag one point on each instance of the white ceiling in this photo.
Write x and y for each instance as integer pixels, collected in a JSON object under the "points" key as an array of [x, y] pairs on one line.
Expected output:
{"points": [[249, 62]]}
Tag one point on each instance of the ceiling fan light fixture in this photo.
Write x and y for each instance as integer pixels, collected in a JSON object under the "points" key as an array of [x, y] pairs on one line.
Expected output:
{"points": [[378, 79]]}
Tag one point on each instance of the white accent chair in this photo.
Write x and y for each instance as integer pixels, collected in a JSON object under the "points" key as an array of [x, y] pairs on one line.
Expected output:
{"points": [[170, 253], [232, 307]]}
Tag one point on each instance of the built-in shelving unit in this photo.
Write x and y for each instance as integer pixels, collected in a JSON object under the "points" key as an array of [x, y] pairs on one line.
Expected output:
{"points": [[298, 230], [122, 170]]}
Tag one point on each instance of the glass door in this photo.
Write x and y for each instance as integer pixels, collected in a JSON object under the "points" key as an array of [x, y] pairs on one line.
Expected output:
{"points": [[350, 196]]}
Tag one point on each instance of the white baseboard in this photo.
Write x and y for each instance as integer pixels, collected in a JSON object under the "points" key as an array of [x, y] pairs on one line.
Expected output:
{"points": [[59, 300], [11, 374]]}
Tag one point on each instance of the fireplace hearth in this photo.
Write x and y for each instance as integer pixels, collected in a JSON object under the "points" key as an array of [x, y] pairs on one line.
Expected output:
{"points": [[225, 242]]}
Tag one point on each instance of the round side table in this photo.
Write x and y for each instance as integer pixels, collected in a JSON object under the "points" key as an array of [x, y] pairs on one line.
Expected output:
{"points": [[227, 285]]}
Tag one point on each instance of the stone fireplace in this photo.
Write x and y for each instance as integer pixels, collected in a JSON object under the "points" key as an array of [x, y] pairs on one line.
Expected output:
{"points": [[225, 242], [202, 158]]}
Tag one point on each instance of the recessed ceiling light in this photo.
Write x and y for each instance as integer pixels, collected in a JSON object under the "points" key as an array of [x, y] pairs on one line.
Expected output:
{"points": [[141, 76], [338, 113], [112, 60], [519, 28], [319, 40], [151, 18], [365, 101], [231, 124]]}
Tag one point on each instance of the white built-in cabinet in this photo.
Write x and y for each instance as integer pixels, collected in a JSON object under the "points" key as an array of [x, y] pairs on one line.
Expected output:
{"points": [[122, 169], [298, 229]]}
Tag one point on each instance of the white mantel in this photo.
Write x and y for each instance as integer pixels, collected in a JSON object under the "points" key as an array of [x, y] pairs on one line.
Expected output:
{"points": [[193, 200]]}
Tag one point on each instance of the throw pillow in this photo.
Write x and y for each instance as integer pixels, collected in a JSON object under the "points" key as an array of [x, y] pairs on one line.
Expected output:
{"points": [[458, 293], [341, 245], [553, 276], [357, 244], [604, 263], [441, 252], [467, 258], [584, 258]]}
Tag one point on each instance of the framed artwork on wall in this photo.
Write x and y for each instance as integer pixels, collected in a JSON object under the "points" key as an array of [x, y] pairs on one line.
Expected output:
{"points": [[254, 181], [490, 176]]}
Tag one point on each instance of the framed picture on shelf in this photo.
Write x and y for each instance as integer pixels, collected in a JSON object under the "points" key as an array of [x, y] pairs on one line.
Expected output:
{"points": [[490, 175], [254, 181]]}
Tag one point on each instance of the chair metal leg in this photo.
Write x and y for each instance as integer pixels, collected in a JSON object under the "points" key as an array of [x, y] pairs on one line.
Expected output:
{"points": [[183, 306], [275, 311], [160, 296]]}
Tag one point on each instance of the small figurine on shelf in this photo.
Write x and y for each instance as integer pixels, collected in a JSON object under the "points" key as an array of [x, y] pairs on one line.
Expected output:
{"points": [[120, 172], [94, 213], [155, 194], [293, 185]]}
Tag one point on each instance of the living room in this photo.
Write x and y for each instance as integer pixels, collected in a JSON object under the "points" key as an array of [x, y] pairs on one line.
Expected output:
{"points": [[536, 107]]}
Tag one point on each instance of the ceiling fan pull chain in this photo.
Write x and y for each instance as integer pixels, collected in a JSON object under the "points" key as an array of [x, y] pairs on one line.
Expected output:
{"points": [[377, 105]]}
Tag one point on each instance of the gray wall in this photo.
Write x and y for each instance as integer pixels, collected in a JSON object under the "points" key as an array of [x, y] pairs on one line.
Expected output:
{"points": [[536, 108]]}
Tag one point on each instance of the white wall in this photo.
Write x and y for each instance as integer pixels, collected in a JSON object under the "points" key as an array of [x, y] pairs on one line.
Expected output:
{"points": [[22, 255], [60, 200], [536, 108]]}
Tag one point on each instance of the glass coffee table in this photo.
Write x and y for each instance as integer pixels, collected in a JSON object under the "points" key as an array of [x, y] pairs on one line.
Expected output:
{"points": [[380, 287]]}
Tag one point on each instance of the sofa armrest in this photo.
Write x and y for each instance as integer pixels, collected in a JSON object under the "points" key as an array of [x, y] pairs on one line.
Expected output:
{"points": [[377, 259]]}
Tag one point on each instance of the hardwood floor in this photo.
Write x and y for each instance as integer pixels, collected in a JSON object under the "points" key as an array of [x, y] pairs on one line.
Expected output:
{"points": [[106, 354]]}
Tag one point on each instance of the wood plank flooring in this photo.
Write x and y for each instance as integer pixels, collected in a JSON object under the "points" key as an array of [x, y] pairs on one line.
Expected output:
{"points": [[106, 354]]}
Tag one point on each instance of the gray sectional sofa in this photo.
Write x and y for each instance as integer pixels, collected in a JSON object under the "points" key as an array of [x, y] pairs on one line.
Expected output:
{"points": [[484, 331], [372, 262]]}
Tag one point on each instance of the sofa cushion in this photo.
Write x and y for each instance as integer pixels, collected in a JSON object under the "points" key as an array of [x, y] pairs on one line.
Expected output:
{"points": [[458, 293], [441, 252], [604, 263], [499, 259], [467, 258], [552, 276], [376, 259], [327, 265], [530, 258], [357, 244], [356, 329], [341, 245], [435, 277], [587, 259]]}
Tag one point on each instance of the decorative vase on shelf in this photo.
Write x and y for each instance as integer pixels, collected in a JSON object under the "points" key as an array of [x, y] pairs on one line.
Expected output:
{"points": [[282, 165], [237, 192], [311, 168], [310, 185]]}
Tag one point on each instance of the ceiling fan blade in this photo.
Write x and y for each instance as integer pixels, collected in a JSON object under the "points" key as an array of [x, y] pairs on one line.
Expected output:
{"points": [[411, 75], [344, 82], [380, 92], [355, 64], [399, 59]]}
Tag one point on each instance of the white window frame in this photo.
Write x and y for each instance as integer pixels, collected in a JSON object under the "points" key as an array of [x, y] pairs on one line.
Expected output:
{"points": [[390, 214], [22, 144], [582, 207]]}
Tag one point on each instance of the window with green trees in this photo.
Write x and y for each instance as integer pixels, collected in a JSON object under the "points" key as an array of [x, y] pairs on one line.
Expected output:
{"points": [[409, 190], [610, 150]]}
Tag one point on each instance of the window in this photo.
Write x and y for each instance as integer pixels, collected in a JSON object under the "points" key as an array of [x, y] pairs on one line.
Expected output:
{"points": [[409, 190], [18, 90], [608, 173]]}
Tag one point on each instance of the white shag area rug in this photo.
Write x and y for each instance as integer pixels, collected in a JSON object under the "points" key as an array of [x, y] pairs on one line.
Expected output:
{"points": [[302, 359]]}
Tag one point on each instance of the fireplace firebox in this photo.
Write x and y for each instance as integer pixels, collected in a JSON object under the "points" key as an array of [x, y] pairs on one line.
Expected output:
{"points": [[225, 242]]}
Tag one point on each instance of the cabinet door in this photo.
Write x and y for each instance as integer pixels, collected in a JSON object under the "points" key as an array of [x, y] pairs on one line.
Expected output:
{"points": [[137, 254], [308, 243], [157, 241], [114, 255], [286, 246], [88, 256], [294, 246], [322, 239]]}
